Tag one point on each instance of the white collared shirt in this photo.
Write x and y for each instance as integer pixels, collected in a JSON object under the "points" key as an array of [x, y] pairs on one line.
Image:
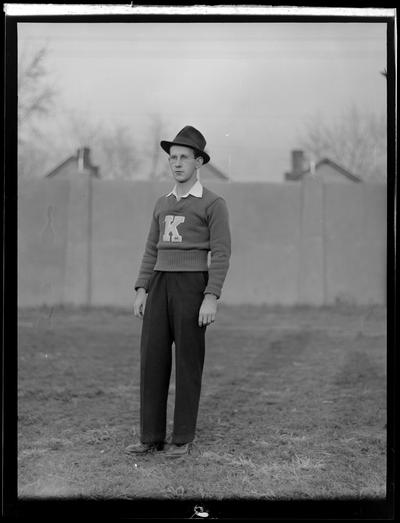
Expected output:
{"points": [[196, 190]]}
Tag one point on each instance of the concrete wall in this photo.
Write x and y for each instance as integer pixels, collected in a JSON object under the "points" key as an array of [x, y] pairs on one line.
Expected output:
{"points": [[43, 219], [296, 243], [355, 243]]}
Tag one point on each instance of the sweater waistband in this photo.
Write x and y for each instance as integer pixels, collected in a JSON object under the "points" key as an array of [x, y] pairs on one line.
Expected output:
{"points": [[181, 260]]}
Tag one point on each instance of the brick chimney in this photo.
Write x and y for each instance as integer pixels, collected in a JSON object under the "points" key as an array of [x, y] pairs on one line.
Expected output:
{"points": [[298, 166], [83, 155], [298, 162]]}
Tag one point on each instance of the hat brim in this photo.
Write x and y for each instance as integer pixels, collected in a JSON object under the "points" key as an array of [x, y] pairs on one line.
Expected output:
{"points": [[167, 145]]}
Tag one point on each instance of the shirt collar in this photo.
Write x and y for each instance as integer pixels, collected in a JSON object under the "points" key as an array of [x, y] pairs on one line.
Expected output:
{"points": [[196, 190]]}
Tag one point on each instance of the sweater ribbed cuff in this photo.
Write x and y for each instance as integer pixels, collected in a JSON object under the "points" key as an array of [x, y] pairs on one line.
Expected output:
{"points": [[142, 283], [210, 289]]}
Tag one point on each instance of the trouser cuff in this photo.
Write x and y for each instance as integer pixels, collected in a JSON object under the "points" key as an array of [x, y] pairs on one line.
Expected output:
{"points": [[148, 440], [181, 440]]}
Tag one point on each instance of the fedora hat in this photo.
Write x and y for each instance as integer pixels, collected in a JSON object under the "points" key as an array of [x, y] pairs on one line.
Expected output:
{"points": [[188, 137]]}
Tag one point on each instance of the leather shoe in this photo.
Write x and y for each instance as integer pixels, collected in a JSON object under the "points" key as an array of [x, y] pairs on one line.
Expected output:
{"points": [[143, 448], [173, 450]]}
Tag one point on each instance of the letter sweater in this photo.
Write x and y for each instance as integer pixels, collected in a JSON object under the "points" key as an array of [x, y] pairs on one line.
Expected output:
{"points": [[181, 235]]}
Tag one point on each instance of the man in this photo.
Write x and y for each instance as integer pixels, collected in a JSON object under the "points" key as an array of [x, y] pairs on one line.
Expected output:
{"points": [[176, 295]]}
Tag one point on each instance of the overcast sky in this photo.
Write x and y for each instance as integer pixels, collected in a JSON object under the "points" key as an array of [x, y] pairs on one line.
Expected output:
{"points": [[248, 87]]}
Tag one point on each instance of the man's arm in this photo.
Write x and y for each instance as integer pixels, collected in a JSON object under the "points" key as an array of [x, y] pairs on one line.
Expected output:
{"points": [[220, 247], [149, 257], [146, 268]]}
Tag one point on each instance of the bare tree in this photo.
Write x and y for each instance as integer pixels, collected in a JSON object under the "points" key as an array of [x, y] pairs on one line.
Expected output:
{"points": [[36, 97], [117, 154], [356, 140], [36, 94], [113, 146]]}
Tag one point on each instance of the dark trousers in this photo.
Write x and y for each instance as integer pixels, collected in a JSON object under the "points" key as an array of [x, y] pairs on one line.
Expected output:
{"points": [[171, 316]]}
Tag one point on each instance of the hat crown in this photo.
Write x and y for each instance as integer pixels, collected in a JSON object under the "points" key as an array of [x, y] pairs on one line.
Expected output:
{"points": [[191, 135]]}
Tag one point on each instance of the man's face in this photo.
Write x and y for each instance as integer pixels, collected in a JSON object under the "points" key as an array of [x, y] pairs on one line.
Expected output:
{"points": [[183, 164]]}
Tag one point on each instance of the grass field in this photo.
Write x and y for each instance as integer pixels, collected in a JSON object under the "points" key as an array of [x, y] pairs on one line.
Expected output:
{"points": [[293, 406]]}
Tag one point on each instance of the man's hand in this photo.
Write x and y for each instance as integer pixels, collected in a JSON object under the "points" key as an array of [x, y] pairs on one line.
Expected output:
{"points": [[208, 310], [140, 302]]}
